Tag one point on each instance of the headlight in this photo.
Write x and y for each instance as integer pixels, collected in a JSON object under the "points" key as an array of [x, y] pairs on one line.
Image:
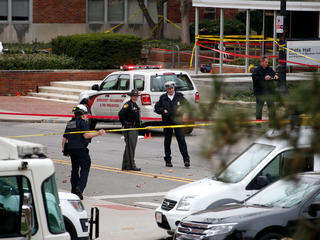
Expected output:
{"points": [[220, 229], [77, 205], [185, 203]]}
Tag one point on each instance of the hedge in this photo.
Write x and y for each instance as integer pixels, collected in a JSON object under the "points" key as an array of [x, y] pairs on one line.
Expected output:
{"points": [[99, 50], [35, 62]]}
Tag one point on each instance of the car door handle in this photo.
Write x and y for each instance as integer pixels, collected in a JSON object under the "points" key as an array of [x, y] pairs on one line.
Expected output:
{"points": [[107, 95], [123, 95]]}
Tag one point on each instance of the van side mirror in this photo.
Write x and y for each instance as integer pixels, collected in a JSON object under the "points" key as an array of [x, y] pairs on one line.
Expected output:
{"points": [[262, 181], [313, 209], [95, 87], [27, 222]]}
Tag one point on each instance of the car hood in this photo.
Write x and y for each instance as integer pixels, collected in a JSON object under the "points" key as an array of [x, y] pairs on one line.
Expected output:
{"points": [[67, 196], [230, 213], [201, 187]]}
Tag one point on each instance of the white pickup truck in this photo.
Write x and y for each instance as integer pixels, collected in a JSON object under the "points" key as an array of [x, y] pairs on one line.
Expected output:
{"points": [[30, 205]]}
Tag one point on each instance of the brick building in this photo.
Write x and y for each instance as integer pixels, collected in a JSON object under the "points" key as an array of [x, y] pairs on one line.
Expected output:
{"points": [[27, 21]]}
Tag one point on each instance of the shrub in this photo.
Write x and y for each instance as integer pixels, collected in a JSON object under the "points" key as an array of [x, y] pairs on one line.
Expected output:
{"points": [[35, 61], [99, 50]]}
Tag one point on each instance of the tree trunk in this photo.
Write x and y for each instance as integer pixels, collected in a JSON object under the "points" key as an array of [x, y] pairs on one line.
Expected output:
{"points": [[158, 32], [185, 7]]}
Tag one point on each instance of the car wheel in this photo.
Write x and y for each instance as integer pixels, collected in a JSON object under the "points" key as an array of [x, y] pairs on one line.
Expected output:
{"points": [[70, 229], [272, 236]]}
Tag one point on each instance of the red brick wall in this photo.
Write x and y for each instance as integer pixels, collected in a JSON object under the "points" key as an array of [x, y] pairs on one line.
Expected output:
{"points": [[59, 11], [12, 82]]}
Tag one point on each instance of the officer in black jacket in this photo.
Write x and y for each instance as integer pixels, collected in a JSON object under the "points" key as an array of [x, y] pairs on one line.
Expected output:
{"points": [[129, 117], [263, 87], [170, 108], [75, 146]]}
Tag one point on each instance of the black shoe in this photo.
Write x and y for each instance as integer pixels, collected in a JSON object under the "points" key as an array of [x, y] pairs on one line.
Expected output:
{"points": [[78, 192], [169, 164], [187, 164], [136, 169]]}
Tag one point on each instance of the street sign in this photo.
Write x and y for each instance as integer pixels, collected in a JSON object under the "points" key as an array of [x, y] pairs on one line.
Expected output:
{"points": [[279, 25]]}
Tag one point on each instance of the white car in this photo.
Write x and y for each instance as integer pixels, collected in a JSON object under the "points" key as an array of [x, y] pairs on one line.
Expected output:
{"points": [[104, 101], [263, 162], [74, 215]]}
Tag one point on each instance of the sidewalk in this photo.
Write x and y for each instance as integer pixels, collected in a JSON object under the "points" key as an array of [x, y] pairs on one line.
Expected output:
{"points": [[15, 104], [121, 222]]}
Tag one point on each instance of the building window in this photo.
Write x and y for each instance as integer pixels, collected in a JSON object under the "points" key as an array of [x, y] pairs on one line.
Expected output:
{"points": [[3, 10], [135, 14], [115, 11], [96, 10], [119, 11], [20, 10]]}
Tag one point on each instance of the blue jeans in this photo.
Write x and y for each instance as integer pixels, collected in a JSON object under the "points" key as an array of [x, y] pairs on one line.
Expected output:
{"points": [[80, 161]]}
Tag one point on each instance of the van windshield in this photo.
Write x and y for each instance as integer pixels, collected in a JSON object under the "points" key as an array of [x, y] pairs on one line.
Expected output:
{"points": [[244, 163], [182, 82]]}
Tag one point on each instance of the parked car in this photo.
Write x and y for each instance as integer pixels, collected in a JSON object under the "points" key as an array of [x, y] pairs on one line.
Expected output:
{"points": [[105, 100], [270, 214], [266, 160]]}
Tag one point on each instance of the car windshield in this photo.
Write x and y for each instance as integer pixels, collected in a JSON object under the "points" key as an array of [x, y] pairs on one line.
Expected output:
{"points": [[182, 82], [284, 193], [244, 163]]}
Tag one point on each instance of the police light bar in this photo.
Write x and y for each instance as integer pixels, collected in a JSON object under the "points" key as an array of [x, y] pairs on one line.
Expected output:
{"points": [[136, 67], [12, 149]]}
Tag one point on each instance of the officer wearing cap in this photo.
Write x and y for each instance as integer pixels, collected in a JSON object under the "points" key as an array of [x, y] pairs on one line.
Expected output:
{"points": [[75, 145], [170, 108], [129, 117]]}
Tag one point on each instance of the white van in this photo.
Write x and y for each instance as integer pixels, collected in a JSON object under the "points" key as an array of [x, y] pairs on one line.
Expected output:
{"points": [[104, 101], [263, 162], [30, 205]]}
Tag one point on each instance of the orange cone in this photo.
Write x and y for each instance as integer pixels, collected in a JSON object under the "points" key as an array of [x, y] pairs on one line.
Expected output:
{"points": [[18, 94], [145, 136], [150, 135]]}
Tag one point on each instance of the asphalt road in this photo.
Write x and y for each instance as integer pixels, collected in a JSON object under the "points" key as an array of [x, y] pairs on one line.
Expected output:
{"points": [[106, 180]]}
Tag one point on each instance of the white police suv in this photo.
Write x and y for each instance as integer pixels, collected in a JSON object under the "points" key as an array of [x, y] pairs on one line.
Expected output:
{"points": [[104, 101]]}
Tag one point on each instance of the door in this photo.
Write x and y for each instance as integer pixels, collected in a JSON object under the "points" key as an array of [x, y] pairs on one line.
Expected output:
{"points": [[119, 94], [100, 105]]}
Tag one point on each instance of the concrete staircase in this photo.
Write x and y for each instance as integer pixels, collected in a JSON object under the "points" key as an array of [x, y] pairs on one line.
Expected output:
{"points": [[64, 91]]}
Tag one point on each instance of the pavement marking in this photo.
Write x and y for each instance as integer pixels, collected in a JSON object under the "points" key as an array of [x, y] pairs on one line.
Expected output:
{"points": [[120, 207], [148, 204], [143, 174], [136, 195]]}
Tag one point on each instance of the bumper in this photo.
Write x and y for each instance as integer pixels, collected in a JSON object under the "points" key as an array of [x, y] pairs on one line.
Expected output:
{"points": [[169, 219]]}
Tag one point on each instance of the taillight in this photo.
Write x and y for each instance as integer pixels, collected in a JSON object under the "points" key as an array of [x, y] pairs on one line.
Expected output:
{"points": [[197, 97], [145, 99]]}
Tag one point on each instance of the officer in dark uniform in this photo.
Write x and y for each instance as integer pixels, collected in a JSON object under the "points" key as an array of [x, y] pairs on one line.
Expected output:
{"points": [[170, 108], [75, 146], [263, 87], [129, 117]]}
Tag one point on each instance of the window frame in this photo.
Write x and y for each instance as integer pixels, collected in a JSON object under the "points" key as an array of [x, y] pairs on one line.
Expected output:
{"points": [[10, 20], [125, 19]]}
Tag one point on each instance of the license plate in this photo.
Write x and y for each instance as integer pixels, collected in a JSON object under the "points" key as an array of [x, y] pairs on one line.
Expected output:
{"points": [[159, 217]]}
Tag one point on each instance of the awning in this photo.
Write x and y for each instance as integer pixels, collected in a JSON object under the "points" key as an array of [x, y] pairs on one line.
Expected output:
{"points": [[259, 5]]}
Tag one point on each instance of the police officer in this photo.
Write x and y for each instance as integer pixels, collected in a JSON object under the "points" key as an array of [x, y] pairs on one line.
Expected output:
{"points": [[263, 87], [129, 117], [75, 146], [170, 108]]}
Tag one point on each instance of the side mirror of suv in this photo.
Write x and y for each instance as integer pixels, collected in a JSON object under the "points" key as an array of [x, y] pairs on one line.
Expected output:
{"points": [[262, 181], [95, 87], [313, 209]]}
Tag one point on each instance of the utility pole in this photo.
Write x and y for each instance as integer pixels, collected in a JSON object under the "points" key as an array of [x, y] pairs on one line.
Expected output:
{"points": [[281, 30]]}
